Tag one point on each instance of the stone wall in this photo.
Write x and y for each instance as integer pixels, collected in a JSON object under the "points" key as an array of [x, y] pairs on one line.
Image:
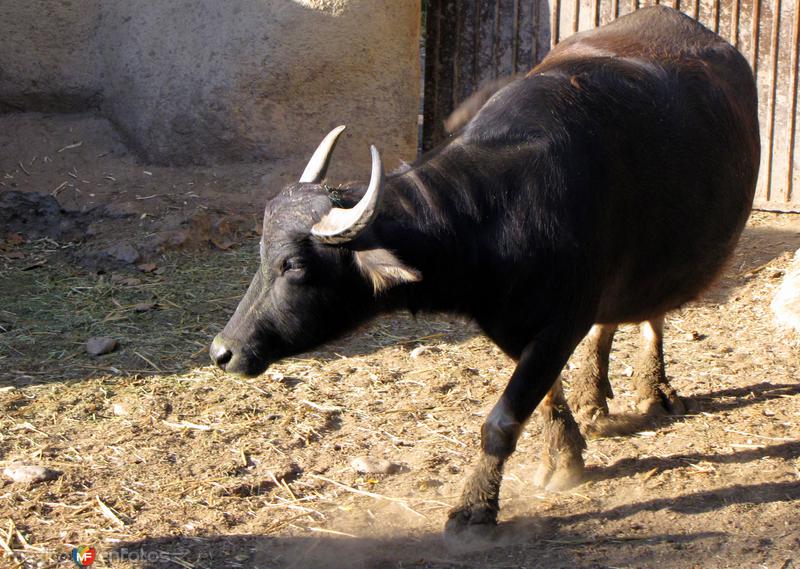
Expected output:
{"points": [[48, 55], [205, 81]]}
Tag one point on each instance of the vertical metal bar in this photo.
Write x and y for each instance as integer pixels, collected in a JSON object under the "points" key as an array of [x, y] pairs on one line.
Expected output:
{"points": [[735, 23], [535, 41], [773, 79], [634, 5], [792, 102], [614, 9], [496, 42], [595, 13], [754, 35], [715, 16], [430, 104], [515, 53], [696, 10], [555, 20], [456, 95], [576, 16], [476, 44]]}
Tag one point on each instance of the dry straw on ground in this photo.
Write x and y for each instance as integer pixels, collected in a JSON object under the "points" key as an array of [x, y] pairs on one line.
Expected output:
{"points": [[166, 458]]}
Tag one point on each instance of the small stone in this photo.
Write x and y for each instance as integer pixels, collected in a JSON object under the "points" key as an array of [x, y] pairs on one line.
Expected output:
{"points": [[145, 306], [694, 336], [29, 473], [119, 279], [99, 345], [429, 483], [420, 350], [147, 267], [120, 410], [628, 371], [367, 465], [124, 252], [222, 244]]}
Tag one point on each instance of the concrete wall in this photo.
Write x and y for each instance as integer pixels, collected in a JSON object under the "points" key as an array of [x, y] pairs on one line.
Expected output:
{"points": [[205, 81], [48, 58]]}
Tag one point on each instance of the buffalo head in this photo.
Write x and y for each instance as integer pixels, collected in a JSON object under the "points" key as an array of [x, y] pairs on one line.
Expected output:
{"points": [[322, 271]]}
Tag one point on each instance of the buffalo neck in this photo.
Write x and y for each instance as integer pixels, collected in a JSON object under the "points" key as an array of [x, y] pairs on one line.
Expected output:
{"points": [[448, 216]]}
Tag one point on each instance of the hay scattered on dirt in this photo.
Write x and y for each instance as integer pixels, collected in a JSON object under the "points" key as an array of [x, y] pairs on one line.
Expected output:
{"points": [[166, 458]]}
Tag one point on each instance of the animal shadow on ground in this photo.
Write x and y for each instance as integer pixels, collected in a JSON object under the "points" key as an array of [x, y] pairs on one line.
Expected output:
{"points": [[35, 332], [737, 397], [630, 466], [544, 541], [715, 402]]}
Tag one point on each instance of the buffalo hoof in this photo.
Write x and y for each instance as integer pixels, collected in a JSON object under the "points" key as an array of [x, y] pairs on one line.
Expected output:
{"points": [[661, 405], [589, 415], [469, 529], [465, 524], [567, 474], [463, 518]]}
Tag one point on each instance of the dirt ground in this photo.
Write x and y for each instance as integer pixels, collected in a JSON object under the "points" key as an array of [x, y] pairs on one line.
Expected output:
{"points": [[122, 210], [165, 462]]}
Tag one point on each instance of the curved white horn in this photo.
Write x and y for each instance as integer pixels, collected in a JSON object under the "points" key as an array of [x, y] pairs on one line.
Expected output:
{"points": [[340, 225], [315, 170]]}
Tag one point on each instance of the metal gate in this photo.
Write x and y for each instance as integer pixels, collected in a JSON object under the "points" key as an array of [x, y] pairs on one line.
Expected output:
{"points": [[471, 41]]}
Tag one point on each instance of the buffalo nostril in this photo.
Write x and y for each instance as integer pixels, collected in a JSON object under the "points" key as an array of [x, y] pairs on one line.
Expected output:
{"points": [[220, 354], [223, 357]]}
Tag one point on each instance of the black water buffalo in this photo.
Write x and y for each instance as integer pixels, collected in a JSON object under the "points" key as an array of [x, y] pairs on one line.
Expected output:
{"points": [[591, 388], [609, 185]]}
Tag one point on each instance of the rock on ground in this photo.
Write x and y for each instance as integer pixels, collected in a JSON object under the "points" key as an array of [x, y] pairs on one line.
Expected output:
{"points": [[368, 465], [29, 473], [123, 252], [99, 345], [786, 303], [32, 214]]}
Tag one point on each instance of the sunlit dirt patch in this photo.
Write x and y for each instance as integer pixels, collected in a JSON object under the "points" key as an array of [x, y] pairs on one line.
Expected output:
{"points": [[167, 462]]}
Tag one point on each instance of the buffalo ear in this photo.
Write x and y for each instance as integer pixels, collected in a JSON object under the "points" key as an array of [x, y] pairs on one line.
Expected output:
{"points": [[384, 270]]}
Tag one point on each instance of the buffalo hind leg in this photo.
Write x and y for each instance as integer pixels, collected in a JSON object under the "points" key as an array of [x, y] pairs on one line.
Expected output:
{"points": [[561, 465], [590, 387], [654, 394], [539, 366]]}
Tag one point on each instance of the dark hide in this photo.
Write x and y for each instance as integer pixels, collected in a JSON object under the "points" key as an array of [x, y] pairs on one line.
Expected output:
{"points": [[608, 185]]}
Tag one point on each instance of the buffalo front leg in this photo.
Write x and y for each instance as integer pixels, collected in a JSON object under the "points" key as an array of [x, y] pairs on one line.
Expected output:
{"points": [[539, 365], [654, 393]]}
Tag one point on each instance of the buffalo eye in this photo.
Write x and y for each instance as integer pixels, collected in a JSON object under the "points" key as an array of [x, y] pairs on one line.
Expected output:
{"points": [[292, 267]]}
